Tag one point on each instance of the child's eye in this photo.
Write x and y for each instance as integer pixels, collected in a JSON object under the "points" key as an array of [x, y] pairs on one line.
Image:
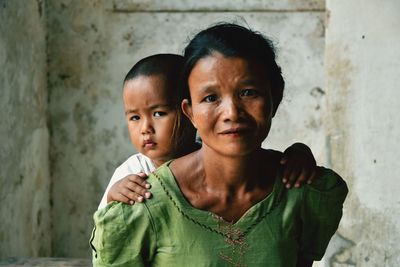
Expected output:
{"points": [[159, 113], [210, 98], [249, 92], [134, 118]]}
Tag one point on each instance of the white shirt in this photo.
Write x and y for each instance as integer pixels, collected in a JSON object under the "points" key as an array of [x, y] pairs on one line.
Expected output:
{"points": [[133, 165]]}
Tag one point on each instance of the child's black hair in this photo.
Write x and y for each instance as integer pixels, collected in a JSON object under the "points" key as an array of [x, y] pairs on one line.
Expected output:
{"points": [[169, 66]]}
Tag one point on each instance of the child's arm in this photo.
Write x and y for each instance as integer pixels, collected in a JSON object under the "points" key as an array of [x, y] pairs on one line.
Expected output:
{"points": [[299, 165], [130, 189], [298, 160]]}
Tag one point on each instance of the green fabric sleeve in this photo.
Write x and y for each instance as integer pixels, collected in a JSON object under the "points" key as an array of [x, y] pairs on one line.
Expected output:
{"points": [[123, 235], [321, 212]]}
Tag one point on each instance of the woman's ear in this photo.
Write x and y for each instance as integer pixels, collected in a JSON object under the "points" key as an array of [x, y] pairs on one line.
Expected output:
{"points": [[187, 110]]}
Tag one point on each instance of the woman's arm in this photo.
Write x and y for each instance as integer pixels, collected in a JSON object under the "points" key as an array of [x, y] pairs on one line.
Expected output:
{"points": [[123, 236], [302, 262], [321, 211]]}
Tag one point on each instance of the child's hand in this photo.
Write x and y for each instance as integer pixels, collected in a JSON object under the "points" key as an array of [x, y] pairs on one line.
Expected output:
{"points": [[300, 165], [130, 189]]}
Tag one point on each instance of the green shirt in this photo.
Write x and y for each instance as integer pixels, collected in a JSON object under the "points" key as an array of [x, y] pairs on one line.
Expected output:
{"points": [[167, 231]]}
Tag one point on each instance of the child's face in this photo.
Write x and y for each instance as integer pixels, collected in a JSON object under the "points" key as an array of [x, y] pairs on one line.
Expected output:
{"points": [[150, 117]]}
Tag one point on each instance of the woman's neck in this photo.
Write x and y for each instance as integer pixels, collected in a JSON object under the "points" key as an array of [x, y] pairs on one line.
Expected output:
{"points": [[239, 173], [226, 186]]}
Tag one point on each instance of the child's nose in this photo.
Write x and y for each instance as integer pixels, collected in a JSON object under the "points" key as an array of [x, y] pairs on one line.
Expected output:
{"points": [[147, 127]]}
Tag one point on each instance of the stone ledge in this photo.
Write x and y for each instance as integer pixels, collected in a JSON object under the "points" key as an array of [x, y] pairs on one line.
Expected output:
{"points": [[46, 262], [216, 6]]}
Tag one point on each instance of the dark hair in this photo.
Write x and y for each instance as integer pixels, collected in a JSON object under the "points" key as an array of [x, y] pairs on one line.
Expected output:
{"points": [[169, 66], [233, 40]]}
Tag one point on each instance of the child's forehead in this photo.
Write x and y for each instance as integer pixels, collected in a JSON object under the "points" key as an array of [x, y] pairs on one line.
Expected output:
{"points": [[157, 82], [148, 88]]}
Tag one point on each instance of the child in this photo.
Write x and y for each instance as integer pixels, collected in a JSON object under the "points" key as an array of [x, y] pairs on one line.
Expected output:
{"points": [[160, 132]]}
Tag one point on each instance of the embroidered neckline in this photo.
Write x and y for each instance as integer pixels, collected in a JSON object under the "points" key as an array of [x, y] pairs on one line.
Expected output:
{"points": [[276, 193]]}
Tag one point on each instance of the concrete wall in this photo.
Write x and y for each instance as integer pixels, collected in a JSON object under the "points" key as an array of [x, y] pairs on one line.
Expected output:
{"points": [[91, 47], [363, 77], [24, 173]]}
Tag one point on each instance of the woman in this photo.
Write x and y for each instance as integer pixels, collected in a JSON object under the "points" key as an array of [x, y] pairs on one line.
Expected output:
{"points": [[224, 205]]}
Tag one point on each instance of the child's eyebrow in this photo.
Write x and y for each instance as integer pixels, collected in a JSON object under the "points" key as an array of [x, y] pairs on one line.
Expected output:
{"points": [[130, 111], [151, 108], [160, 106]]}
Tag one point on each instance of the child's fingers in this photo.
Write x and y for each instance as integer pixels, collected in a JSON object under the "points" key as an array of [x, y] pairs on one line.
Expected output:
{"points": [[131, 195], [143, 175], [304, 174], [138, 189], [139, 179], [286, 173], [121, 198], [292, 178], [312, 177]]}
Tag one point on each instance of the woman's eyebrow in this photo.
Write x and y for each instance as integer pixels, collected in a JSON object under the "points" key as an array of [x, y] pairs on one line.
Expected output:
{"points": [[208, 88], [249, 80]]}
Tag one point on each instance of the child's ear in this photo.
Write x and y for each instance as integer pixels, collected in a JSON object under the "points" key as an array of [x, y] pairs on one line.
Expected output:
{"points": [[187, 110]]}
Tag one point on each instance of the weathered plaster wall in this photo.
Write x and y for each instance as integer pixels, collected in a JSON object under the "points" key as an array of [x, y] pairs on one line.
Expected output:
{"points": [[93, 44], [85, 141], [363, 77], [25, 228]]}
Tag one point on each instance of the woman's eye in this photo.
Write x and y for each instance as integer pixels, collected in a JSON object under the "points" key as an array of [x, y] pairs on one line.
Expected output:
{"points": [[134, 118], [159, 113], [249, 92], [210, 98]]}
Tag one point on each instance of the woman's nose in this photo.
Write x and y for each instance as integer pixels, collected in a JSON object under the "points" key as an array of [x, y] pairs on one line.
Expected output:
{"points": [[231, 110]]}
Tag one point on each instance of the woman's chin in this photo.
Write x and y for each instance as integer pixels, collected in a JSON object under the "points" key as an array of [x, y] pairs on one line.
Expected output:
{"points": [[239, 150]]}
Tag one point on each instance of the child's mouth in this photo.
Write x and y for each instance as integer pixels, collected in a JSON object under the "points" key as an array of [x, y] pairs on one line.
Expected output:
{"points": [[149, 144]]}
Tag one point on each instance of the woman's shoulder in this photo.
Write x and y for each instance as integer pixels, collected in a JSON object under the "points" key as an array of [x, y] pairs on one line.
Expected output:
{"points": [[328, 191], [161, 181], [160, 185], [185, 169], [328, 180], [327, 187]]}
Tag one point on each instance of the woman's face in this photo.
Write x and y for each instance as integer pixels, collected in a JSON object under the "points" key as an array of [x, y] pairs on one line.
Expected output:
{"points": [[231, 104]]}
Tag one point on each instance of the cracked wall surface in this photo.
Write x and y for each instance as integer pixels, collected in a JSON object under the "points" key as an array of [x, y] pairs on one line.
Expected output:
{"points": [[24, 173]]}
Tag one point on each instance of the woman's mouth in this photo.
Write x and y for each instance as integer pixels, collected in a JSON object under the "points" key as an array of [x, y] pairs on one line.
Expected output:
{"points": [[236, 131]]}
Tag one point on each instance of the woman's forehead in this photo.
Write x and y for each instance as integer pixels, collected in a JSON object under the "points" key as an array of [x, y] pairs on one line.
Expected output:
{"points": [[216, 67]]}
